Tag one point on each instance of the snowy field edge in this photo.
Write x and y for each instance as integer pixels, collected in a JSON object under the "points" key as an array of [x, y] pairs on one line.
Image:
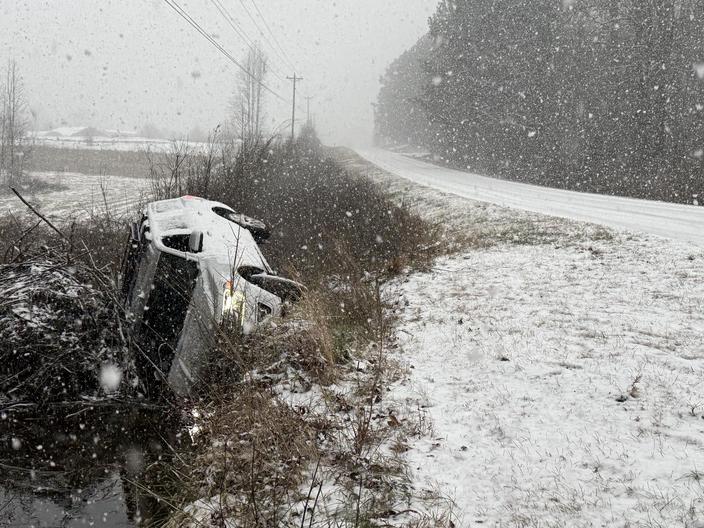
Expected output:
{"points": [[561, 366]]}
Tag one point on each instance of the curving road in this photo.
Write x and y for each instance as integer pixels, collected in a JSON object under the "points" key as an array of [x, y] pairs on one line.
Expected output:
{"points": [[679, 222]]}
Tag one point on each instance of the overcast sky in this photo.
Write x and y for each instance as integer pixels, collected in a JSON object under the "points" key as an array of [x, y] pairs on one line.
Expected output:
{"points": [[123, 63]]}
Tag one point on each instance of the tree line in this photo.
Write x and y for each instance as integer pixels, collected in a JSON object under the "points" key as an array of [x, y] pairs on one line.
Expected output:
{"points": [[596, 95]]}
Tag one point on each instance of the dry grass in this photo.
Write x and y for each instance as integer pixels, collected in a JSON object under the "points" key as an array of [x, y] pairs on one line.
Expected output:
{"points": [[88, 161], [344, 444], [254, 453]]}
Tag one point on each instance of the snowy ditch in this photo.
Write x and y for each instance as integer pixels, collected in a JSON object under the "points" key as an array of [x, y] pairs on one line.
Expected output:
{"points": [[349, 431], [73, 462], [79, 466], [72, 445], [561, 367]]}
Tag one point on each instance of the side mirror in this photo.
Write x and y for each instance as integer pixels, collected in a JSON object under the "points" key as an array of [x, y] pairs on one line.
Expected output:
{"points": [[195, 242], [287, 290]]}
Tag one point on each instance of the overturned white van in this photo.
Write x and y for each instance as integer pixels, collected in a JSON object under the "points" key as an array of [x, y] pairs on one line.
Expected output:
{"points": [[190, 265]]}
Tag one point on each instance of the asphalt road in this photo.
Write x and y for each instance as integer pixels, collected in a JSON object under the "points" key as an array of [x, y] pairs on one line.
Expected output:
{"points": [[674, 221]]}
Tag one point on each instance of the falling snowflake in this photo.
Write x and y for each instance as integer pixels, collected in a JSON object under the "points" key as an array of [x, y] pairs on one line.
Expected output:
{"points": [[699, 70], [110, 377]]}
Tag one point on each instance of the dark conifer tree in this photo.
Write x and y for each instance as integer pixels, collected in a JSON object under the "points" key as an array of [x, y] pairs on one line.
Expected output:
{"points": [[595, 95]]}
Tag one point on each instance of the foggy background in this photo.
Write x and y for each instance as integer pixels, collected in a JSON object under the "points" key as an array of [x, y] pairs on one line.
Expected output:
{"points": [[123, 64]]}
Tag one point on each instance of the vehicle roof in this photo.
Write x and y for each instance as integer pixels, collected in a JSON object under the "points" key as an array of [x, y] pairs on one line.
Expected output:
{"points": [[223, 240]]}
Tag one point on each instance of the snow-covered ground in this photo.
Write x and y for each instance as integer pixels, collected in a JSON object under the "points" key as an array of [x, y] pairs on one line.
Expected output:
{"points": [[119, 144], [86, 138], [680, 222], [565, 384], [80, 195], [561, 367]]}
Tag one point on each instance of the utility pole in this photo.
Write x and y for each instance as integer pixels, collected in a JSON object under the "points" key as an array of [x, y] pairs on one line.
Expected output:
{"points": [[293, 113], [308, 99]]}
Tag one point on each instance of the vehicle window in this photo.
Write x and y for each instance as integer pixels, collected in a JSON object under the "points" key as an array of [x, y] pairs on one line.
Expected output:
{"points": [[177, 242], [137, 247], [226, 213], [166, 311]]}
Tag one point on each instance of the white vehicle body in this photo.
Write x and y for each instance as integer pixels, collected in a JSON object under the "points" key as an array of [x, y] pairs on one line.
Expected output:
{"points": [[190, 265]]}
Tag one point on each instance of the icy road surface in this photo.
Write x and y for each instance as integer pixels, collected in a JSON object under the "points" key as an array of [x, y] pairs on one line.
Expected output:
{"points": [[678, 222]]}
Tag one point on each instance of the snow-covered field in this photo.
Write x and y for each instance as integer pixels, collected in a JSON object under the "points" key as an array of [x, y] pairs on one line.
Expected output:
{"points": [[681, 222], [565, 384], [561, 366], [80, 195], [118, 144], [86, 138]]}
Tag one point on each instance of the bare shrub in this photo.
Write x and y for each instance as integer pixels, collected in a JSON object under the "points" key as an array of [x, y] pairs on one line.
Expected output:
{"points": [[14, 125], [186, 168], [59, 324], [61, 319], [96, 241]]}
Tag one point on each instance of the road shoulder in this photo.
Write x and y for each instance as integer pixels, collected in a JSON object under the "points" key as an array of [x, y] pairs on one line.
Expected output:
{"points": [[559, 366]]}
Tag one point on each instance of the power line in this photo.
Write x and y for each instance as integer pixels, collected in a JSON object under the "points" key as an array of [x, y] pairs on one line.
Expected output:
{"points": [[261, 32], [273, 35], [183, 14], [241, 33], [239, 30], [232, 22]]}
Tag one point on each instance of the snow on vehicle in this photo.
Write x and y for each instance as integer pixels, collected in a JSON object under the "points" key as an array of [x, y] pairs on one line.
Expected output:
{"points": [[192, 264]]}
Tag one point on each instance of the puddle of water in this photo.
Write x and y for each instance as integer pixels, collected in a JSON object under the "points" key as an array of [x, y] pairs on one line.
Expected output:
{"points": [[80, 466]]}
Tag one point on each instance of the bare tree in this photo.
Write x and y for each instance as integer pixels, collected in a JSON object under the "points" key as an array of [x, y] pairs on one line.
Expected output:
{"points": [[247, 104], [14, 125]]}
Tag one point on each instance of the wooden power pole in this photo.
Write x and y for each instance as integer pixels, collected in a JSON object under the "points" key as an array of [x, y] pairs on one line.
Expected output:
{"points": [[295, 79]]}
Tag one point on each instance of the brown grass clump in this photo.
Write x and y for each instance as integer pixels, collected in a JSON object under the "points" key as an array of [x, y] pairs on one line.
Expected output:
{"points": [[253, 452]]}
